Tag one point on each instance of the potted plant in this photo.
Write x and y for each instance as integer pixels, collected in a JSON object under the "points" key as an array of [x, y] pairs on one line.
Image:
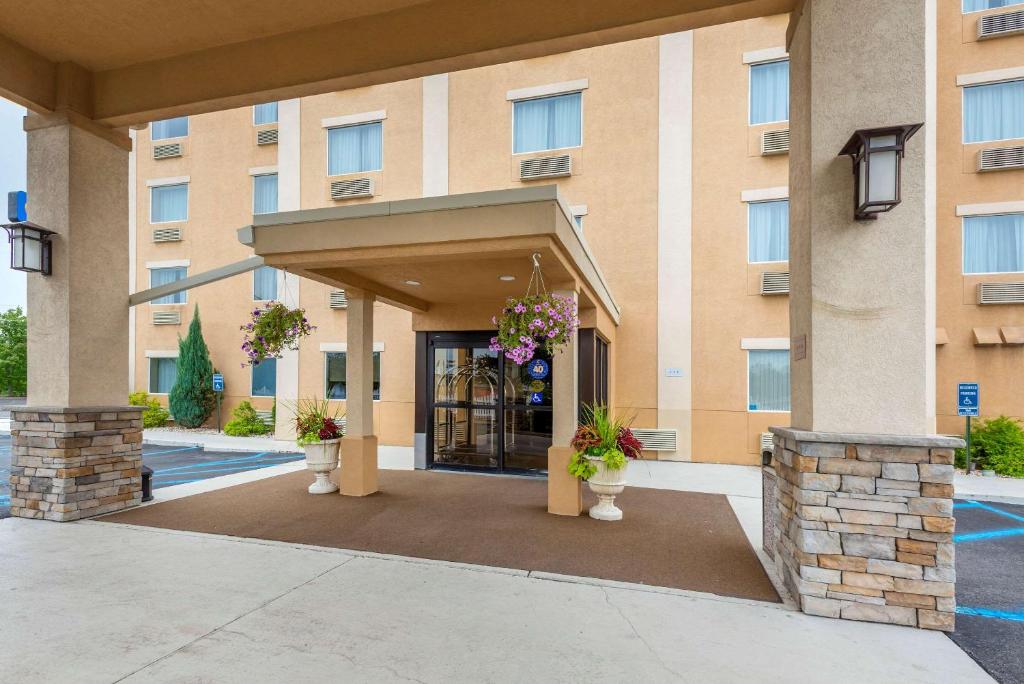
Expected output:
{"points": [[272, 330], [603, 447], [318, 432]]}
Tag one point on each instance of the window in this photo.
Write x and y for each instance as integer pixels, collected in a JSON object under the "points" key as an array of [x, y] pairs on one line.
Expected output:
{"points": [[168, 203], [354, 149], [994, 111], [547, 123], [264, 193], [162, 375], [169, 128], [769, 92], [335, 375], [978, 5], [768, 374], [994, 244], [162, 276], [264, 378], [578, 218], [264, 114], [768, 231], [264, 284]]}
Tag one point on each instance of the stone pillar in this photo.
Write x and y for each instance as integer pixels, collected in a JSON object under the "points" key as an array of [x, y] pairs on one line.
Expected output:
{"points": [[359, 447], [864, 489], [565, 492], [76, 445]]}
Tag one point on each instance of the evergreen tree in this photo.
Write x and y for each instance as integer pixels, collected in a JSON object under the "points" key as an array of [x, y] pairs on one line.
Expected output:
{"points": [[192, 398]]}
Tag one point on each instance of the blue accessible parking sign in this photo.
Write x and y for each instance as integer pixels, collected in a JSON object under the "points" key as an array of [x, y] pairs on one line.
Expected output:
{"points": [[218, 382], [967, 399]]}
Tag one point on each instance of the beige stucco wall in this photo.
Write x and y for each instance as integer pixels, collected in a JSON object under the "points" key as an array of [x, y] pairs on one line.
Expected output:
{"points": [[997, 368]]}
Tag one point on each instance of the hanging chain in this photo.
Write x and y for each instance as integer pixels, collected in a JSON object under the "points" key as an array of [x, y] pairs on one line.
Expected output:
{"points": [[536, 283]]}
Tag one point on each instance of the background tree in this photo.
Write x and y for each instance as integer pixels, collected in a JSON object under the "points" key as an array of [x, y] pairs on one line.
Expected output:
{"points": [[13, 353], [192, 398]]}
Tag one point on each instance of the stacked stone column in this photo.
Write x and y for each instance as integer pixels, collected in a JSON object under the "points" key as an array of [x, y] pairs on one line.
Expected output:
{"points": [[71, 463], [864, 526]]}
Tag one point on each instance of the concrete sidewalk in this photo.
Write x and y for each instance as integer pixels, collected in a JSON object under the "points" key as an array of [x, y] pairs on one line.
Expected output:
{"points": [[217, 442], [99, 602]]}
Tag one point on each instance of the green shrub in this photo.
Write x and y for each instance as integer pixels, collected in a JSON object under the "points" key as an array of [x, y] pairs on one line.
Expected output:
{"points": [[245, 422], [996, 444], [154, 415], [192, 398]]}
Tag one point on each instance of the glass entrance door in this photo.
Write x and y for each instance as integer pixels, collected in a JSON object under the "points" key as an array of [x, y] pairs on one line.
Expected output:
{"points": [[484, 413]]}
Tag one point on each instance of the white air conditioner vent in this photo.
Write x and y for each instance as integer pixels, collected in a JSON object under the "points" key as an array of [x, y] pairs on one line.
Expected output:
{"points": [[1000, 293], [775, 282], [267, 136], [338, 299], [545, 167], [167, 151], [775, 142], [167, 234], [351, 188], [267, 417], [767, 443], [1001, 158], [166, 318], [1004, 24], [656, 439]]}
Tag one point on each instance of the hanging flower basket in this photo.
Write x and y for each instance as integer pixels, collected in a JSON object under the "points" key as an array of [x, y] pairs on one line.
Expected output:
{"points": [[272, 330], [537, 319]]}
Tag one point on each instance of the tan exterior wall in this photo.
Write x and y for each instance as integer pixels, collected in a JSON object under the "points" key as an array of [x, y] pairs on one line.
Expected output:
{"points": [[997, 368]]}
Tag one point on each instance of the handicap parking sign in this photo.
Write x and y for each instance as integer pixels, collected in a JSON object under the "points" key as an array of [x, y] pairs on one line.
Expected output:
{"points": [[218, 382], [967, 403]]}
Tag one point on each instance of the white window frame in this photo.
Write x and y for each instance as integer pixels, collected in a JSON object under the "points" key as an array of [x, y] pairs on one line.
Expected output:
{"points": [[750, 344], [188, 125], [966, 81], [327, 146], [963, 245], [165, 182], [156, 354], [254, 285], [174, 263], [269, 123], [746, 206], [750, 81], [259, 172], [262, 396], [512, 130], [342, 348]]}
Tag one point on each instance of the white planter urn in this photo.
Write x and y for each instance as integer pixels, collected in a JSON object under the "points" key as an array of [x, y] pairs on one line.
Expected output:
{"points": [[606, 484], [322, 459]]}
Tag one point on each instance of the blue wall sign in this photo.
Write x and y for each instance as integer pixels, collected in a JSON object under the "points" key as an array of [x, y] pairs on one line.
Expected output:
{"points": [[536, 397], [17, 206], [218, 382], [538, 369], [967, 402]]}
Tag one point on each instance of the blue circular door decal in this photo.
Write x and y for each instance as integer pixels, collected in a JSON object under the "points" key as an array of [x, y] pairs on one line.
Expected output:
{"points": [[538, 369]]}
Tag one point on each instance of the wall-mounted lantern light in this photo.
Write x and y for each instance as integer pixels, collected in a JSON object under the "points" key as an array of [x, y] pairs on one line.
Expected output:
{"points": [[876, 155], [30, 247]]}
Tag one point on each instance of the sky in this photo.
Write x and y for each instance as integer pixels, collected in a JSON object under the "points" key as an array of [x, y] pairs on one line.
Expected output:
{"points": [[12, 177]]}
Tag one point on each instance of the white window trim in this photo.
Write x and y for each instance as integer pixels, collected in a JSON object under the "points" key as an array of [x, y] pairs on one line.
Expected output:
{"points": [[343, 346], [156, 354], [987, 9], [263, 171], [344, 351], [772, 54], [764, 343], [512, 131], [765, 194], [172, 180], [176, 181], [990, 77], [327, 156], [990, 208], [161, 354], [963, 243], [750, 410], [548, 90], [354, 119], [751, 64], [254, 287], [578, 210], [963, 95], [173, 263], [170, 263], [749, 202]]}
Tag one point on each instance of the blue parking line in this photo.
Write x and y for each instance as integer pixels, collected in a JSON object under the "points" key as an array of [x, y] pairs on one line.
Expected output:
{"points": [[213, 463], [990, 613], [238, 468], [969, 504], [976, 536], [993, 509], [199, 479], [170, 451]]}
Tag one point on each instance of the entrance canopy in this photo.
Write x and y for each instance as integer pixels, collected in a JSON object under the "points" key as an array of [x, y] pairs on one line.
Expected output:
{"points": [[438, 255]]}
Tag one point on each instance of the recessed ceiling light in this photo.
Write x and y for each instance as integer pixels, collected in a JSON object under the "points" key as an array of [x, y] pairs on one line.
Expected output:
{"points": [[507, 278], [414, 283]]}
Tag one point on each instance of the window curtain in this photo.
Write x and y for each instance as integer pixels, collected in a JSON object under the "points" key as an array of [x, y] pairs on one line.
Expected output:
{"points": [[169, 128], [335, 371], [978, 5], [264, 194], [768, 231], [994, 111], [163, 373], [994, 244], [769, 379], [264, 378], [547, 123], [162, 276], [264, 113], [769, 92], [264, 283], [168, 203], [354, 149]]}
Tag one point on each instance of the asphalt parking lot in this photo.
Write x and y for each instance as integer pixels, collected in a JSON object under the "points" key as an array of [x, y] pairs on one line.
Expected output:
{"points": [[990, 586], [171, 465]]}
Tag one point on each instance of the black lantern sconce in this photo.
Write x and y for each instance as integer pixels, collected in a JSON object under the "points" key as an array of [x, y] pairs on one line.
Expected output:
{"points": [[30, 247], [876, 155]]}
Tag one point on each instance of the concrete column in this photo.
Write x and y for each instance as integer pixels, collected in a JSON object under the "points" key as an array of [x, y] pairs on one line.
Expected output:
{"points": [[863, 520], [77, 446], [359, 447], [565, 492]]}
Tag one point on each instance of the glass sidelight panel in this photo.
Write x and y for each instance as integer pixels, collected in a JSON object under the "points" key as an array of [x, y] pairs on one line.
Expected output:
{"points": [[466, 437], [528, 414]]}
